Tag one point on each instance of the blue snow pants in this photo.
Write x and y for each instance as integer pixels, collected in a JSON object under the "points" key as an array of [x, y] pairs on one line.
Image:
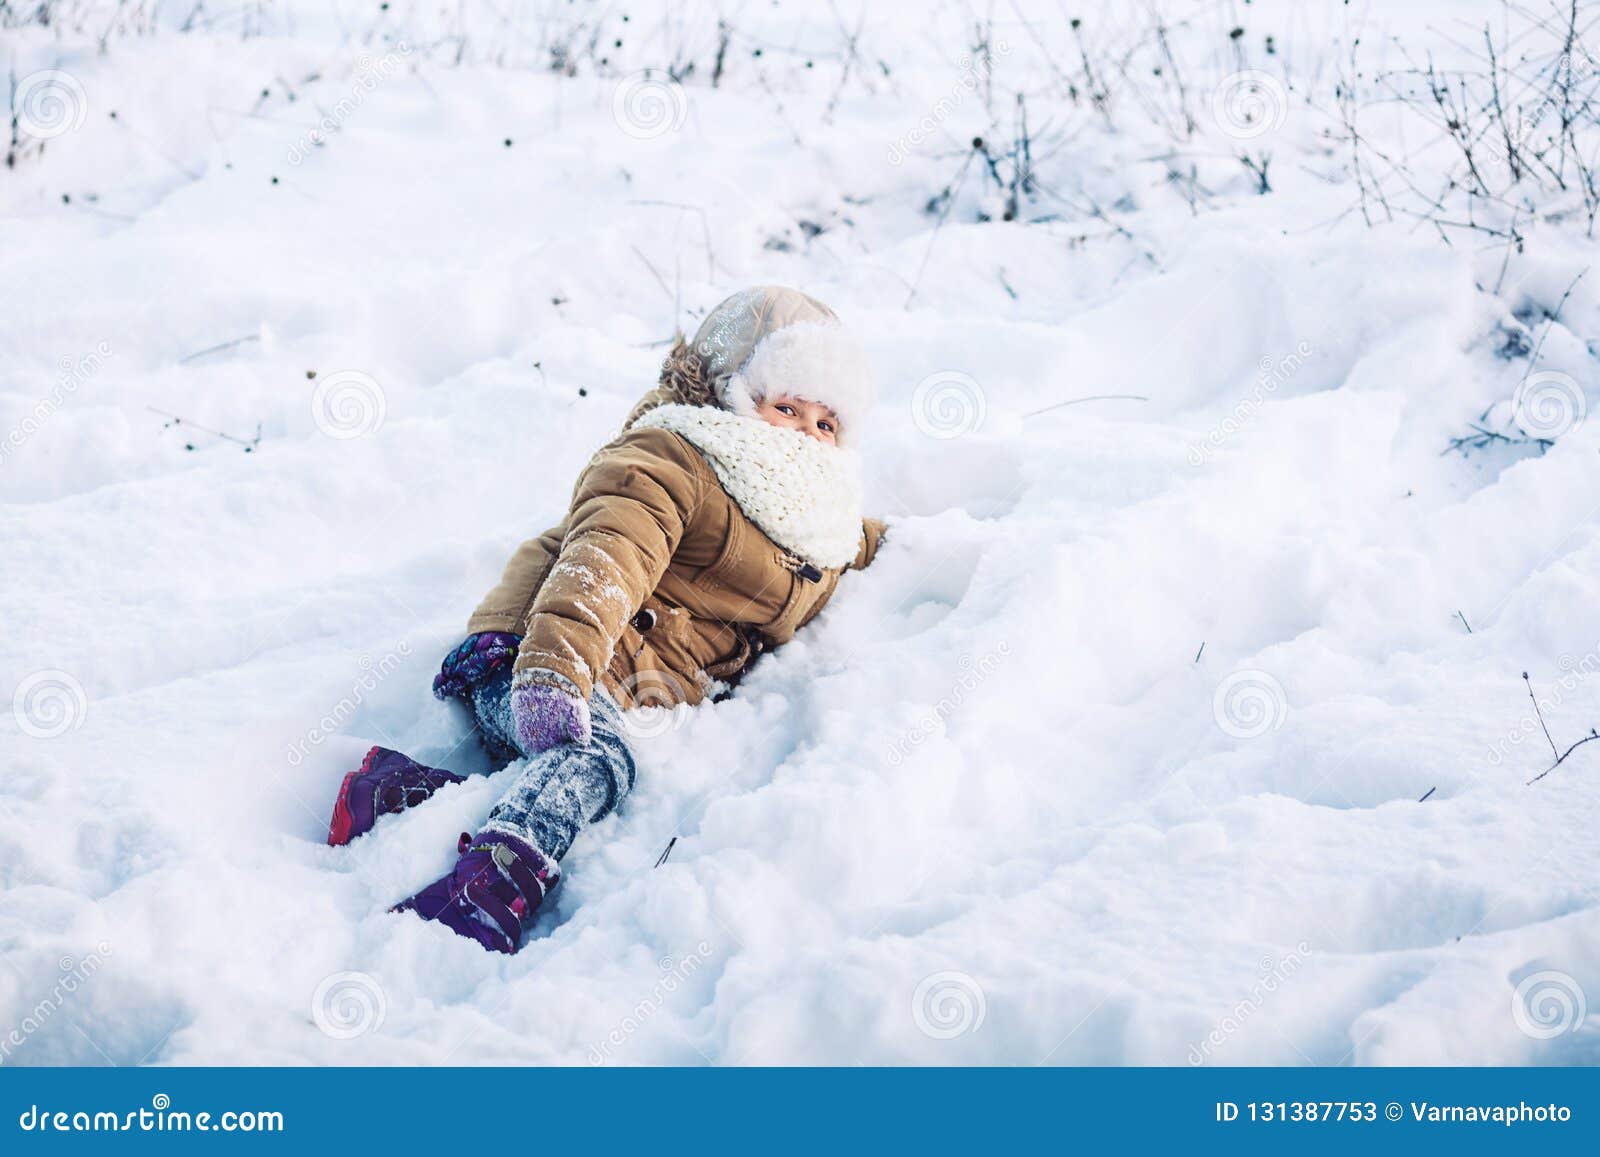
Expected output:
{"points": [[564, 789]]}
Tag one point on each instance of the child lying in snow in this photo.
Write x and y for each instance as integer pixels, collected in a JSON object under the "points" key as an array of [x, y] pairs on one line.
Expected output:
{"points": [[715, 526]]}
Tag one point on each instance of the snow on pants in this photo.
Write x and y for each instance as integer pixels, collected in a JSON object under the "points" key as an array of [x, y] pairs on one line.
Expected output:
{"points": [[564, 789]]}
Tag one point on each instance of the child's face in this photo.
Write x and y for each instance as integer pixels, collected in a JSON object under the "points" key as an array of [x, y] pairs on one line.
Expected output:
{"points": [[811, 418]]}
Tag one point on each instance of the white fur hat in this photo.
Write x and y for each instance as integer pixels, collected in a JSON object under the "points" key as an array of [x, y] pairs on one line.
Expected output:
{"points": [[769, 340]]}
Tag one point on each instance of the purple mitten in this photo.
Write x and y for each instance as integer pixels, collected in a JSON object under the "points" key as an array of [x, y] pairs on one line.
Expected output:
{"points": [[546, 715], [478, 657], [492, 892]]}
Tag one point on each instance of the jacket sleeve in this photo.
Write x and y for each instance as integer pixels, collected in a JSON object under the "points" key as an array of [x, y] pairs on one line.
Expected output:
{"points": [[505, 608], [629, 511], [871, 536]]}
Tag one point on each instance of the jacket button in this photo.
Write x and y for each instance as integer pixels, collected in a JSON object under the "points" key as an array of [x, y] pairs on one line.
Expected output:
{"points": [[644, 620]]}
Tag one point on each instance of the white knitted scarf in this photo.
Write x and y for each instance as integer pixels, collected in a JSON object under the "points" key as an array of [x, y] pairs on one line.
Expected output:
{"points": [[805, 495]]}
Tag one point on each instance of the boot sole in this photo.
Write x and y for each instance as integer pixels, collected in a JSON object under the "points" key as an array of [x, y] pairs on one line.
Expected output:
{"points": [[343, 821]]}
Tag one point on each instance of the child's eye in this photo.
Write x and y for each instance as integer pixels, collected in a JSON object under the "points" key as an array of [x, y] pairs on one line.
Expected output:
{"points": [[783, 409], [825, 425]]}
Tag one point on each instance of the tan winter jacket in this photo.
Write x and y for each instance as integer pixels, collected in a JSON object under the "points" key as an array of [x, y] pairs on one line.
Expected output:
{"points": [[656, 584]]}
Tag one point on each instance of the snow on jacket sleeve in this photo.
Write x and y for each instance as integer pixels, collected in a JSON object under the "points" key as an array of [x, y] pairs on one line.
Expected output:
{"points": [[629, 511]]}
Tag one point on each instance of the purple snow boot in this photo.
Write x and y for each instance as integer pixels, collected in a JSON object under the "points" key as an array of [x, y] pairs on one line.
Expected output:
{"points": [[491, 893], [386, 782]]}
